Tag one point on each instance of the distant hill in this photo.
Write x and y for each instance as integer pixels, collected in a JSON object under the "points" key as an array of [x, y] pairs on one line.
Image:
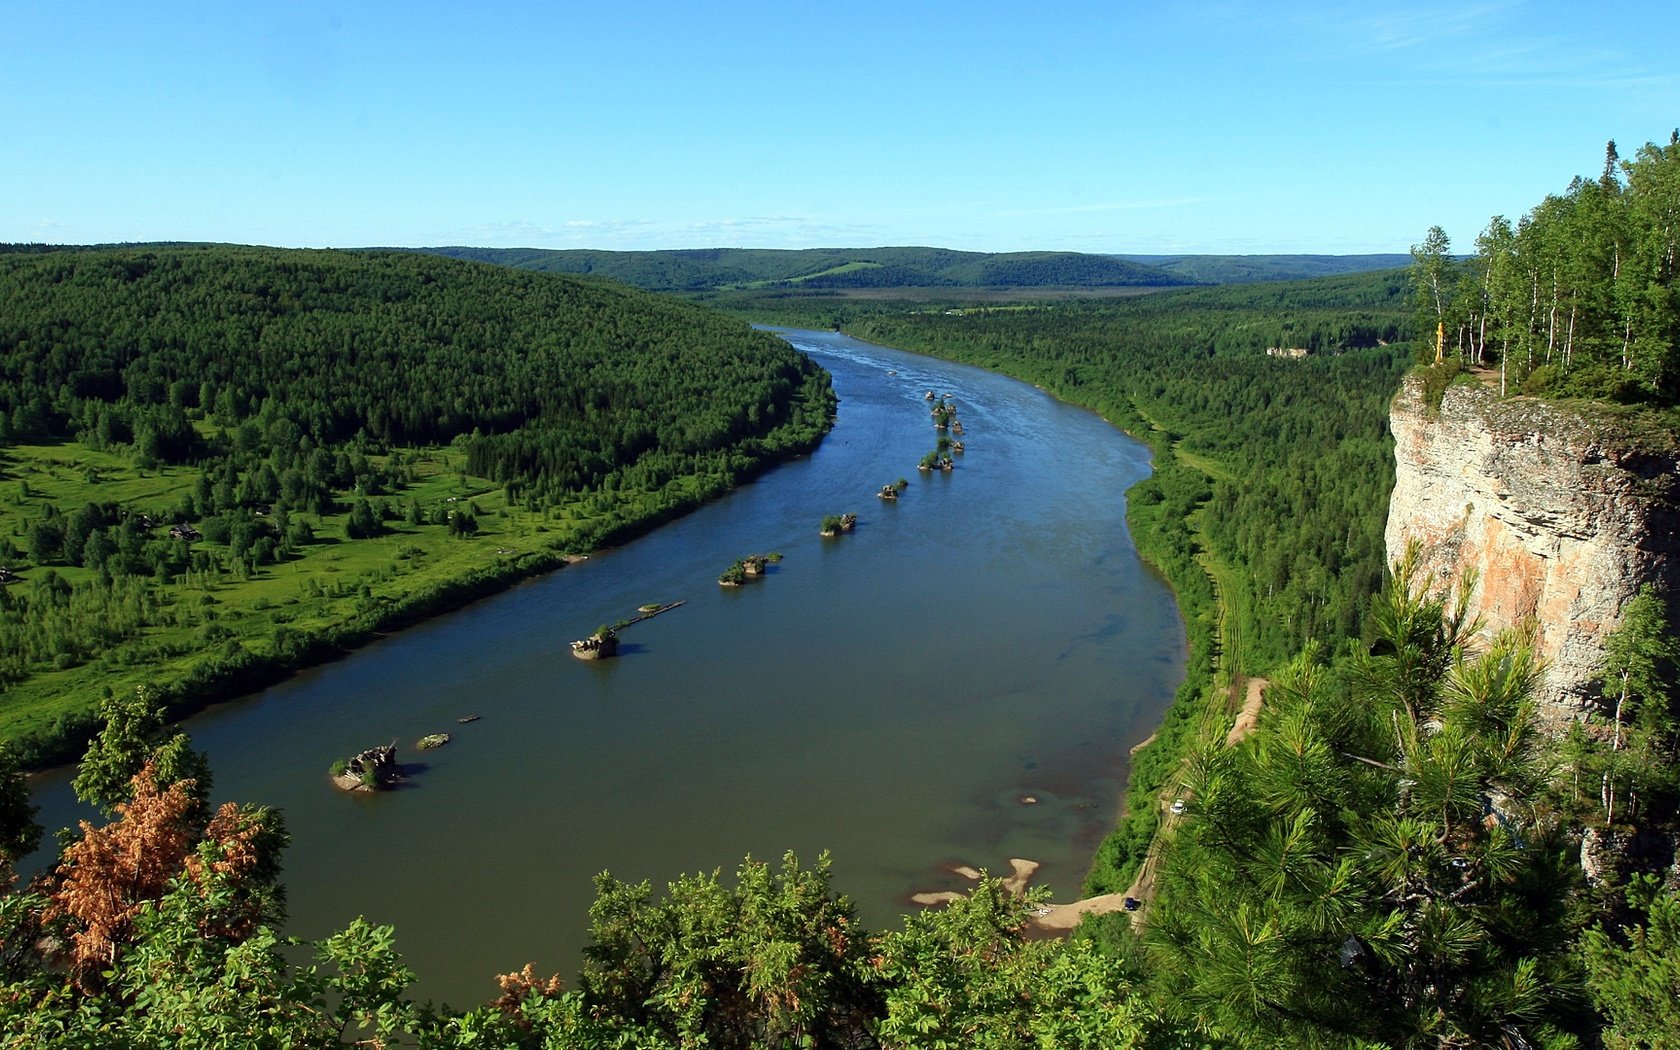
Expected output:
{"points": [[698, 270], [713, 269], [1251, 269]]}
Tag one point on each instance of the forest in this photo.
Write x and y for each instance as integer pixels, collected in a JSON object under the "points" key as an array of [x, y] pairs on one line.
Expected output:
{"points": [[711, 269], [1391, 857], [188, 436], [1247, 269], [1579, 297], [700, 271]]}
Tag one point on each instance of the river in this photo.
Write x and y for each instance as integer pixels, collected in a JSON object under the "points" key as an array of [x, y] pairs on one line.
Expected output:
{"points": [[895, 696]]}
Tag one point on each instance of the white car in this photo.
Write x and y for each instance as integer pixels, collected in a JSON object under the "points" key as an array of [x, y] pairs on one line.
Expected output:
{"points": [[1178, 807]]}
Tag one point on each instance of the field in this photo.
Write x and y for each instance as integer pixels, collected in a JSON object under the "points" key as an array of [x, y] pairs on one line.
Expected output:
{"points": [[329, 591]]}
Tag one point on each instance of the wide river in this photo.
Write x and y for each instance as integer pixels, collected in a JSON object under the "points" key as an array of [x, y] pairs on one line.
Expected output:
{"points": [[896, 696]]}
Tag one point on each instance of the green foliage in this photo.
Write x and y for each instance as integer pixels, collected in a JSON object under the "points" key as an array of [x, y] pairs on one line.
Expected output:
{"points": [[1580, 298], [1633, 746], [702, 270], [363, 523], [1248, 269], [776, 961], [1633, 971], [1369, 865], [134, 735], [324, 384], [19, 833], [963, 977]]}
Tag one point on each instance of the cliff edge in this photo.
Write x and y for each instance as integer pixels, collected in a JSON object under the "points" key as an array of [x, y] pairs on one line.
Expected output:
{"points": [[1564, 511]]}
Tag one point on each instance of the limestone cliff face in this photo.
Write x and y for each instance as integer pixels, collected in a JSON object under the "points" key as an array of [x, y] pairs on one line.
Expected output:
{"points": [[1564, 515]]}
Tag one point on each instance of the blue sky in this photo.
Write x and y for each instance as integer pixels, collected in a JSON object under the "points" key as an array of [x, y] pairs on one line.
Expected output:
{"points": [[1240, 127]]}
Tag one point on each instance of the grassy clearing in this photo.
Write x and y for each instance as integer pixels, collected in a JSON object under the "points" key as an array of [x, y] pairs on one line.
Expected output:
{"points": [[283, 608]]}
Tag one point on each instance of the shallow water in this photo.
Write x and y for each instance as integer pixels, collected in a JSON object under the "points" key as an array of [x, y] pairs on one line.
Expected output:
{"points": [[891, 695]]}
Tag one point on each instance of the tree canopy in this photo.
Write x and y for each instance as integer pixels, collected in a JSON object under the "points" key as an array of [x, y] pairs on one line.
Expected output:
{"points": [[178, 422], [1579, 297]]}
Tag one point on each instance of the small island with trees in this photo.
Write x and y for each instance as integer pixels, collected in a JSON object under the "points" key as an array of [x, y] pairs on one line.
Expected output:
{"points": [[375, 769], [834, 524], [601, 645], [752, 566]]}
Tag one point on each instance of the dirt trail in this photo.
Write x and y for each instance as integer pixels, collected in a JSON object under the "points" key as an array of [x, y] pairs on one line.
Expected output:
{"points": [[1060, 918], [1250, 713]]}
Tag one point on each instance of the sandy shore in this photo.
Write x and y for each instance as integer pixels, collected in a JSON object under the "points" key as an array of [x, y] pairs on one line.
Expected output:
{"points": [[1021, 873], [1053, 920]]}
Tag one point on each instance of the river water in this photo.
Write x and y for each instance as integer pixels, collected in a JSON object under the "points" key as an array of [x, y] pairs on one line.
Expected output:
{"points": [[893, 696]]}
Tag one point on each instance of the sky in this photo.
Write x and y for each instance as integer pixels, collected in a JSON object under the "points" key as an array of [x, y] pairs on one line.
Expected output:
{"points": [[1119, 127]]}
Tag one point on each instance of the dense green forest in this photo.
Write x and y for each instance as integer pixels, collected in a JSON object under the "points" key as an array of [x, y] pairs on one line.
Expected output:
{"points": [[218, 462], [1580, 297], [711, 269], [1247, 269]]}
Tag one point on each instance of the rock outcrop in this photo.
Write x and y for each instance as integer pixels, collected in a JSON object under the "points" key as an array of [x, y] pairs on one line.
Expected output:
{"points": [[372, 770], [601, 645], [1564, 513]]}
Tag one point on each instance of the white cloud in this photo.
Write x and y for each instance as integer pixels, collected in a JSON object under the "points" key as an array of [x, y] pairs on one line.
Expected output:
{"points": [[1137, 205]]}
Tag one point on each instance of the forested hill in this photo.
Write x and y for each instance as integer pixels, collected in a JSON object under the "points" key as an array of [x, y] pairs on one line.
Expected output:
{"points": [[711, 269], [385, 348], [1248, 269], [219, 463]]}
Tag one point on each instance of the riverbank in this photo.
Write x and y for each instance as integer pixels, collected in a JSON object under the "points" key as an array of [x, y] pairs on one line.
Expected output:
{"points": [[1058, 648], [1165, 526], [224, 637], [1055, 920]]}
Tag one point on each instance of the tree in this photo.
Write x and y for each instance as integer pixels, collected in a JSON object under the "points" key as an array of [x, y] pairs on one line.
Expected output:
{"points": [[363, 522], [1337, 878], [1432, 279], [133, 738], [1639, 657], [777, 961], [45, 540], [1633, 972], [19, 834], [106, 878]]}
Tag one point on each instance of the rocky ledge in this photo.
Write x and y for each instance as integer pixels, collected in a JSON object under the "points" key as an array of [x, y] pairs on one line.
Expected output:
{"points": [[1563, 511]]}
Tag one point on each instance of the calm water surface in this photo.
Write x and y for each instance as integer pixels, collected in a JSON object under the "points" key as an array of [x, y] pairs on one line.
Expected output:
{"points": [[890, 696]]}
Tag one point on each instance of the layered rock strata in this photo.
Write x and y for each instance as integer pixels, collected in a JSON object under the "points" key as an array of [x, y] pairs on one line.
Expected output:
{"points": [[1563, 512]]}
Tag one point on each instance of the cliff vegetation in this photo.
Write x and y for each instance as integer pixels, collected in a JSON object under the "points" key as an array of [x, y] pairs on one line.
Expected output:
{"points": [[1579, 297]]}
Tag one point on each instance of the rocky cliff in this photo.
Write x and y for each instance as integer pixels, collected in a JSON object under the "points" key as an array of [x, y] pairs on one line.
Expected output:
{"points": [[1563, 511]]}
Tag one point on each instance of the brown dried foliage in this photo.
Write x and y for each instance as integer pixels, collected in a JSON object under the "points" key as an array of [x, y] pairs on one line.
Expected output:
{"points": [[113, 871], [241, 855], [517, 987]]}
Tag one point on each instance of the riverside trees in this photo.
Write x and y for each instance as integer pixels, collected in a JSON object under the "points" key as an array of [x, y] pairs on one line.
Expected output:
{"points": [[1580, 298], [1376, 864], [176, 423]]}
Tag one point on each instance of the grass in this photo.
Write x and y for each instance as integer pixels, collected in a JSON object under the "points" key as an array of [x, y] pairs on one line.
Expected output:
{"points": [[831, 271], [328, 584]]}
